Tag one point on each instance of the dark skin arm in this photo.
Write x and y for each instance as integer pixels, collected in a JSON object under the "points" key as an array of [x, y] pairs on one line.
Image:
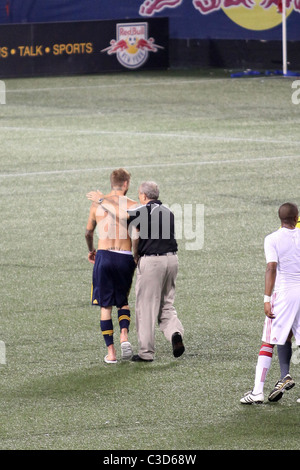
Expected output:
{"points": [[270, 277]]}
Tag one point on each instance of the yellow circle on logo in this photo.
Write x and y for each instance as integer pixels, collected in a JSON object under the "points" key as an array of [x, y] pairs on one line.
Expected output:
{"points": [[257, 17]]}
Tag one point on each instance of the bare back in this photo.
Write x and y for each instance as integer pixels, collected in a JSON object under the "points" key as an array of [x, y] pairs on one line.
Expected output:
{"points": [[111, 227]]}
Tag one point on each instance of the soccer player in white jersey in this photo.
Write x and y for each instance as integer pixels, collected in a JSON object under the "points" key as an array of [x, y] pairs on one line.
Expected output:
{"points": [[284, 352], [282, 295]]}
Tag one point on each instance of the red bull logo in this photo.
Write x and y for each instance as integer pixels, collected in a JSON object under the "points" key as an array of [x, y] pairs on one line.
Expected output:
{"points": [[250, 14], [132, 44]]}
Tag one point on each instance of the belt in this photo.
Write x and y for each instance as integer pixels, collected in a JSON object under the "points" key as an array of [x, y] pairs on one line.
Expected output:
{"points": [[163, 254]]}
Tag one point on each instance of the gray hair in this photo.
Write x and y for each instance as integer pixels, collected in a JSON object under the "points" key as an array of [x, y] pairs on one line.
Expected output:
{"points": [[150, 189]]}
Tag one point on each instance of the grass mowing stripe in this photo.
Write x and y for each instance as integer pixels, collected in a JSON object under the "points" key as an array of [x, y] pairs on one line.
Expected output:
{"points": [[130, 134], [153, 165], [105, 86]]}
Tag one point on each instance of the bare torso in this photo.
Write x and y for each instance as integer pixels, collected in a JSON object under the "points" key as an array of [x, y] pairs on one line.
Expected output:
{"points": [[111, 229]]}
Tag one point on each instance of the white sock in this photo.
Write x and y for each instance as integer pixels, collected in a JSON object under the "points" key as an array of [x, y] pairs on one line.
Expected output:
{"points": [[263, 365]]}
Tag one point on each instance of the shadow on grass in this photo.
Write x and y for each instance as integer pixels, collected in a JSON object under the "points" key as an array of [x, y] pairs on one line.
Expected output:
{"points": [[103, 379]]}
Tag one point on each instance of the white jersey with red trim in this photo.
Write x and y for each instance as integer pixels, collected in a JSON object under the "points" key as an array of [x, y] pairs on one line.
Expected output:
{"points": [[283, 247]]}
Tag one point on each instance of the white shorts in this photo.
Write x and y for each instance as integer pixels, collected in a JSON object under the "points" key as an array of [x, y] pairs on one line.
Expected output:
{"points": [[286, 308]]}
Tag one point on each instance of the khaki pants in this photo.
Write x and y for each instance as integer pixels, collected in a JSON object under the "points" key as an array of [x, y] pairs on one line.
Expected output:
{"points": [[155, 294]]}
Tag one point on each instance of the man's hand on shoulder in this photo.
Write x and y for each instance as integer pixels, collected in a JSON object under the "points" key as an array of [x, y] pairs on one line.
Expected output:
{"points": [[94, 196]]}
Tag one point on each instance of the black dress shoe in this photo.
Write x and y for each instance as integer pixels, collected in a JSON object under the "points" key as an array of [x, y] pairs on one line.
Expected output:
{"points": [[137, 358], [177, 344]]}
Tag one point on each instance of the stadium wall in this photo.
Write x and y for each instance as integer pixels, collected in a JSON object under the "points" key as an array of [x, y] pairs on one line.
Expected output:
{"points": [[222, 33]]}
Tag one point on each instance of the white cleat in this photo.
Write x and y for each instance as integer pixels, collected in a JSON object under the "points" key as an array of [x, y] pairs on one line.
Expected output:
{"points": [[126, 350], [249, 398]]}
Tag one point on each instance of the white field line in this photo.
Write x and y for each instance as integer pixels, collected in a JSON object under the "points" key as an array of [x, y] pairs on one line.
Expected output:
{"points": [[131, 134], [120, 84], [152, 165]]}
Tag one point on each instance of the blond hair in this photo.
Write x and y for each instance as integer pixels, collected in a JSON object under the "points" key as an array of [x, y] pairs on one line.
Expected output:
{"points": [[119, 177]]}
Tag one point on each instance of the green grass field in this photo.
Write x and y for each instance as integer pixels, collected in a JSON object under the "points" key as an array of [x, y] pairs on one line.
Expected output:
{"points": [[231, 145]]}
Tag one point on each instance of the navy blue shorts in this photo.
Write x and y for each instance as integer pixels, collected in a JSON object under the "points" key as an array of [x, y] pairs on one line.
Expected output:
{"points": [[112, 278]]}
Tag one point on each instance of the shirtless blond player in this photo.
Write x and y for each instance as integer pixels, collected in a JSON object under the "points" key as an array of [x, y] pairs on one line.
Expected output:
{"points": [[113, 261]]}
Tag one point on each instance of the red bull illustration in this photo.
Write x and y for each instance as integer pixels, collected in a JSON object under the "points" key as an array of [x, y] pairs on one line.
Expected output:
{"points": [[132, 45], [149, 7], [249, 14], [115, 46]]}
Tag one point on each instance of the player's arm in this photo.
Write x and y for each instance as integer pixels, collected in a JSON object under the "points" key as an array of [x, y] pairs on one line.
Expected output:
{"points": [[270, 277], [114, 206], [109, 203], [89, 233]]}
